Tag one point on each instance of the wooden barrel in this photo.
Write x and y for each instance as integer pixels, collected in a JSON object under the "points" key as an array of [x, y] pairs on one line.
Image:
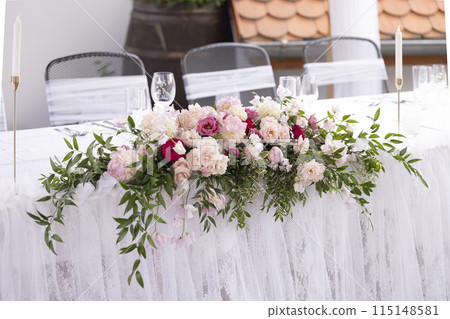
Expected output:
{"points": [[160, 36]]}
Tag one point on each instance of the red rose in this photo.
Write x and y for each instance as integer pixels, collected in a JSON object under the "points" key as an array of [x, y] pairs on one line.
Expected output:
{"points": [[297, 131], [250, 125], [168, 152]]}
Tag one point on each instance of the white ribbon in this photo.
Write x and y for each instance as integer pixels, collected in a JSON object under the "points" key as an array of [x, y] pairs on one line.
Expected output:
{"points": [[347, 71], [89, 99], [221, 83]]}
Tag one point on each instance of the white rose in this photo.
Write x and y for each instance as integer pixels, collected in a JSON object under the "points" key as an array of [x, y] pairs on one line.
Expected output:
{"points": [[179, 148]]}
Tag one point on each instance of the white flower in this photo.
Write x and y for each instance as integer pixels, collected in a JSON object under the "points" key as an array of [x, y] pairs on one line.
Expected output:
{"points": [[360, 144], [302, 145], [335, 109], [298, 187], [331, 145], [254, 138], [190, 209], [239, 111], [269, 107], [328, 125], [282, 92], [179, 148]]}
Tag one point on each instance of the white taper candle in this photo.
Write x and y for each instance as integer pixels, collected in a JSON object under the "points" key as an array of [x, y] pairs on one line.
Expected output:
{"points": [[16, 47], [398, 54]]}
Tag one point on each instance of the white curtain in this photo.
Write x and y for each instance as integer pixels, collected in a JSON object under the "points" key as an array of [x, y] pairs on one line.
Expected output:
{"points": [[2, 38], [447, 29], [355, 18]]}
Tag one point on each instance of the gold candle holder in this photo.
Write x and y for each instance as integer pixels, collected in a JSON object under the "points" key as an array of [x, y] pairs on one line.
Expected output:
{"points": [[398, 85], [15, 80]]}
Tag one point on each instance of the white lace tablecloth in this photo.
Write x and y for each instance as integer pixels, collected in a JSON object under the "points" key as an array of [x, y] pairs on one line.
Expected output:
{"points": [[327, 252]]}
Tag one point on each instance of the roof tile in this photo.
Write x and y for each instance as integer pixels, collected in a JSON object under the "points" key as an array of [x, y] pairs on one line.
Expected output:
{"points": [[440, 5], [247, 28], [425, 8], [434, 35], [417, 24], [281, 9], [438, 22], [311, 8], [251, 10], [323, 25], [271, 28], [396, 7], [388, 24], [301, 27]]}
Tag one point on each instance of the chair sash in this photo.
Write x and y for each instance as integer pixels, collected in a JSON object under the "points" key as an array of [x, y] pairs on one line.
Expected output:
{"points": [[347, 71], [228, 82], [89, 99]]}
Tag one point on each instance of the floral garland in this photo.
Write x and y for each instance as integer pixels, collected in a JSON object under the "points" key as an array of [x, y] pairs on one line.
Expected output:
{"points": [[224, 153]]}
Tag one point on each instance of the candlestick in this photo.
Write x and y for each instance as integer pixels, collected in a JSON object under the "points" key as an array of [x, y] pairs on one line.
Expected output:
{"points": [[17, 40], [15, 80], [398, 54], [398, 85]]}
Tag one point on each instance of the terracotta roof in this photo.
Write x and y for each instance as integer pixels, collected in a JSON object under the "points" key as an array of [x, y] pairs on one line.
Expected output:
{"points": [[298, 20]]}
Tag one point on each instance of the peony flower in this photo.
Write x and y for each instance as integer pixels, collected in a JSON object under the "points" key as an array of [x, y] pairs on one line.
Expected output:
{"points": [[208, 126], [268, 107], [186, 121], [283, 133], [238, 111], [297, 131], [118, 166], [182, 171], [160, 239], [189, 137], [269, 129], [251, 114], [233, 128], [193, 158], [168, 151], [275, 155], [227, 102], [309, 172]]}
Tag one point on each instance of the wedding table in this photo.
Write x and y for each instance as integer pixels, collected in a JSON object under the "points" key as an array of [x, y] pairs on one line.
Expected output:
{"points": [[327, 251]]}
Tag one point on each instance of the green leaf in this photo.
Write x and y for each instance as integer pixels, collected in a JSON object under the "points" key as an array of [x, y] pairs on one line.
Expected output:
{"points": [[131, 122], [68, 143], [136, 265], [122, 235], [99, 139], [68, 156], [139, 279], [161, 199], [75, 142], [44, 199], [377, 115], [57, 238], [125, 198]]}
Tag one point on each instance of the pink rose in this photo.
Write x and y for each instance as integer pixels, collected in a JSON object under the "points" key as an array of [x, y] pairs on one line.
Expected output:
{"points": [[193, 158], [208, 126], [269, 129], [182, 171], [275, 155], [251, 114], [283, 132], [313, 122], [168, 151], [186, 120], [227, 102]]}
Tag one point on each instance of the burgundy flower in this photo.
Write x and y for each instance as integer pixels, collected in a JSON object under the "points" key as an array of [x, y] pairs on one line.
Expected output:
{"points": [[251, 114], [250, 125], [234, 151], [208, 126], [297, 131], [168, 152], [254, 131]]}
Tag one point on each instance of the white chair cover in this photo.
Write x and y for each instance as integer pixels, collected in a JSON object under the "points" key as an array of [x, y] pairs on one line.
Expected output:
{"points": [[2, 115], [228, 82], [358, 18], [89, 99], [348, 71]]}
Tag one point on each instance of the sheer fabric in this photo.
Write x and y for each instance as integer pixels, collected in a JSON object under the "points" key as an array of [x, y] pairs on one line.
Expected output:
{"points": [[355, 18], [227, 82], [89, 99], [2, 114], [347, 71]]}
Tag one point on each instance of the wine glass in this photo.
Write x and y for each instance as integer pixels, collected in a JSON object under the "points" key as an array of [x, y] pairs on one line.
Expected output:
{"points": [[421, 84], [163, 88], [439, 74], [289, 85], [308, 89], [137, 101]]}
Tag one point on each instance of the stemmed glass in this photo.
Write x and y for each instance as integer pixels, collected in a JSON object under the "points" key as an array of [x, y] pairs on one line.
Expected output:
{"points": [[308, 89], [289, 85], [163, 88], [137, 101]]}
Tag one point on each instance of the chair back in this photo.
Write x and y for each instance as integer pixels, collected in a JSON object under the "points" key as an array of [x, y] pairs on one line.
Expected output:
{"points": [[343, 60], [226, 69], [91, 86]]}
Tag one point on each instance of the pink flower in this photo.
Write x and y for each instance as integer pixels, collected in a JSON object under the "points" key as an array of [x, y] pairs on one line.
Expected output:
{"points": [[283, 133], [254, 131], [250, 125], [328, 125], [251, 114], [118, 165], [269, 129], [160, 239], [119, 120], [233, 128], [313, 122], [302, 145], [227, 102], [168, 150], [275, 155], [208, 126], [181, 242], [233, 151], [308, 173], [182, 171]]}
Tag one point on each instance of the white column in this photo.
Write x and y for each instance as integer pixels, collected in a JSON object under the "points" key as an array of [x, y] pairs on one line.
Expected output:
{"points": [[355, 18], [447, 32]]}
